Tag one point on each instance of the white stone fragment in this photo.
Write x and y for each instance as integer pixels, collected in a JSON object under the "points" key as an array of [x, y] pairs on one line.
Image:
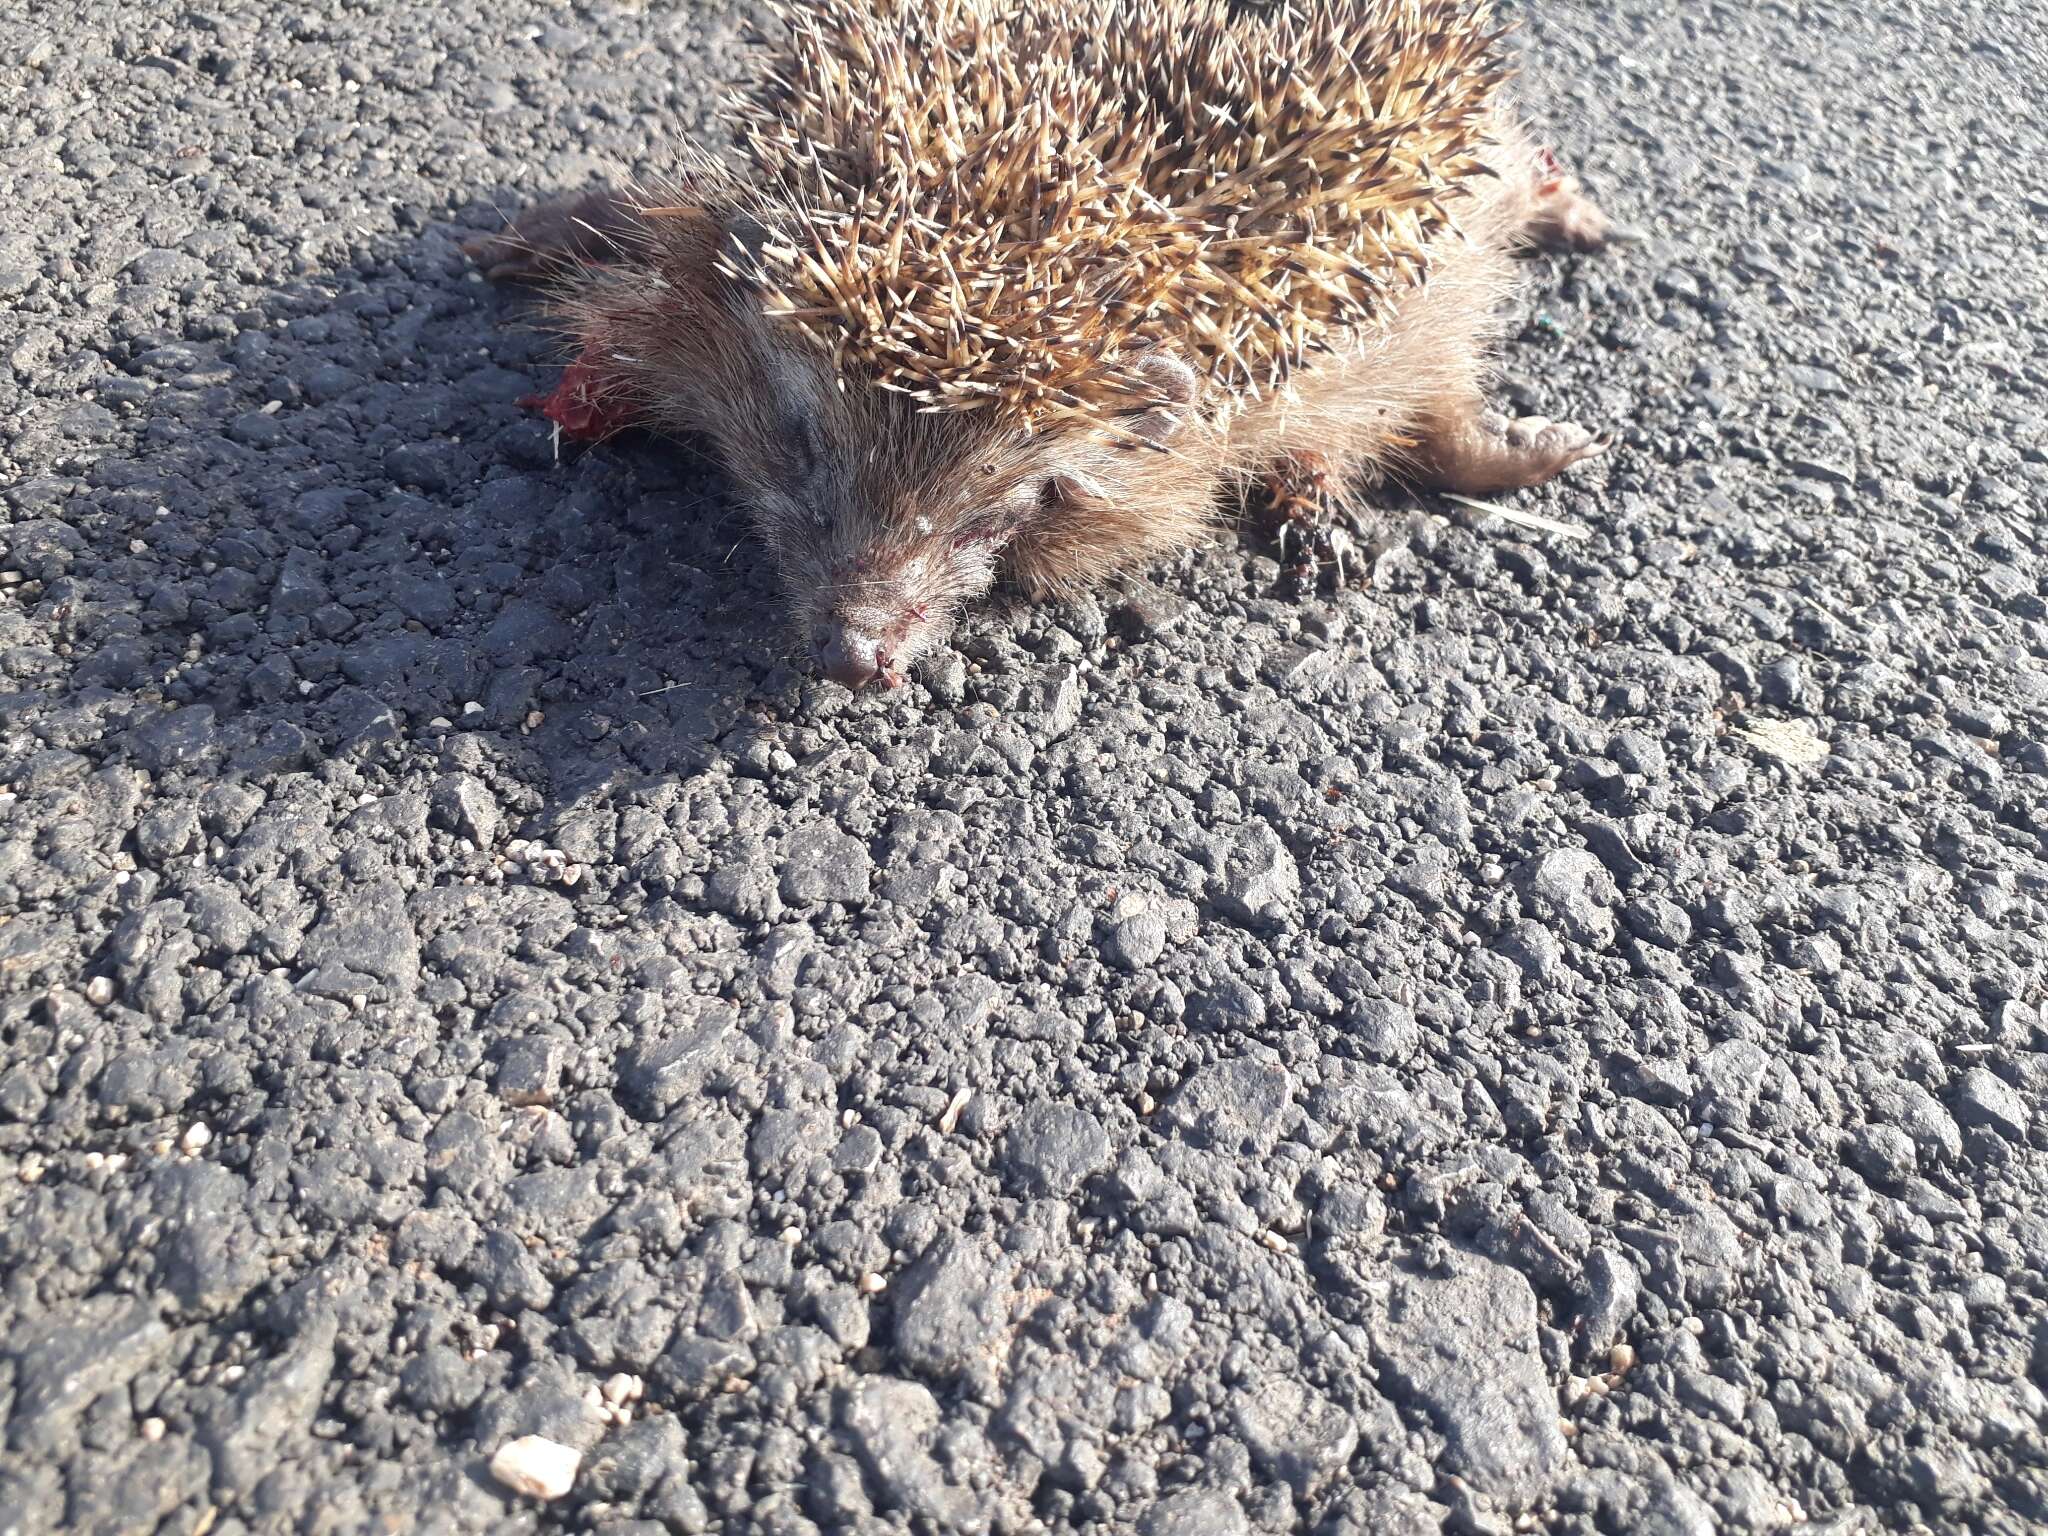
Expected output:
{"points": [[950, 1120], [536, 1466]]}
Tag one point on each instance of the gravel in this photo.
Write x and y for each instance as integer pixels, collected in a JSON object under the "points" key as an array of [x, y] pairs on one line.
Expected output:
{"points": [[1552, 1042]]}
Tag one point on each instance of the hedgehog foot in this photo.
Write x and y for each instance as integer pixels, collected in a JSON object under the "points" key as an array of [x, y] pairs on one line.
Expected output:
{"points": [[1561, 216], [586, 227], [1314, 529], [1483, 452]]}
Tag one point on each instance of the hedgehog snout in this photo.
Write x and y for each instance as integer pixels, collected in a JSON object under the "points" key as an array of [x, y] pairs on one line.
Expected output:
{"points": [[852, 656]]}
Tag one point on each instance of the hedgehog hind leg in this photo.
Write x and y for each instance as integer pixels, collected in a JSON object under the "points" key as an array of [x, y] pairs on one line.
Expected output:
{"points": [[1480, 452], [1559, 215]]}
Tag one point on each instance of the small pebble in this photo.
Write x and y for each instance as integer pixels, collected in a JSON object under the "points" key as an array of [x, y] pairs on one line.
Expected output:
{"points": [[950, 1120], [623, 1388], [536, 1466]]}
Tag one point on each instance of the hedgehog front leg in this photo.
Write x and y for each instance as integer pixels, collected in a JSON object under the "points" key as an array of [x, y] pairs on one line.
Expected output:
{"points": [[584, 227], [1303, 504], [1480, 452]]}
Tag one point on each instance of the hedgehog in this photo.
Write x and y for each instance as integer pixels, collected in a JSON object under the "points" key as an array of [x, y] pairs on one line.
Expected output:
{"points": [[1043, 290]]}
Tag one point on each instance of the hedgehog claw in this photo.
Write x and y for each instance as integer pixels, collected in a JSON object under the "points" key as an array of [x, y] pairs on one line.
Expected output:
{"points": [[1340, 543], [1313, 531]]}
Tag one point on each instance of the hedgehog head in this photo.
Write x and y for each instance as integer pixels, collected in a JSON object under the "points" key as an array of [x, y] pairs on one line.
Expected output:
{"points": [[886, 520]]}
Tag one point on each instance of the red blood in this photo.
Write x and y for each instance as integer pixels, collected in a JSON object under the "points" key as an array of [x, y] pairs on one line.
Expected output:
{"points": [[586, 404]]}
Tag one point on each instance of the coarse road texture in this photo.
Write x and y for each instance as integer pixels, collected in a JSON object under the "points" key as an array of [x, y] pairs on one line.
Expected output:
{"points": [[1552, 1042]]}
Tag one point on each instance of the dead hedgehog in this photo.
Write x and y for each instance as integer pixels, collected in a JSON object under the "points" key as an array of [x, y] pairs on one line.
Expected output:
{"points": [[1042, 287]]}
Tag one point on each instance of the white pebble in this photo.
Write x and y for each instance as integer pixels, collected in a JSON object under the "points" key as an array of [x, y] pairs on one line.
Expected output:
{"points": [[100, 991], [536, 1466], [874, 1284], [950, 1120], [152, 1429], [196, 1136], [623, 1388]]}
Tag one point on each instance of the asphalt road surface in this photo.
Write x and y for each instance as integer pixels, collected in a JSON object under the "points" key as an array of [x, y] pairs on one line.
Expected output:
{"points": [[1554, 1042]]}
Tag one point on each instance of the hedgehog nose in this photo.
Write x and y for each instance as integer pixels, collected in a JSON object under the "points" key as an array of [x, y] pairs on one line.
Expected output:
{"points": [[848, 656]]}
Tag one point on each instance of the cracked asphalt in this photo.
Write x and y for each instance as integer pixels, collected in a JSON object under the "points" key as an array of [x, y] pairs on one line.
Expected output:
{"points": [[1552, 1042]]}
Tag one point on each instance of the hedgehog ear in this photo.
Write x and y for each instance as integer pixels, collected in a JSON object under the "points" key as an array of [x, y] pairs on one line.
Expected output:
{"points": [[1171, 388]]}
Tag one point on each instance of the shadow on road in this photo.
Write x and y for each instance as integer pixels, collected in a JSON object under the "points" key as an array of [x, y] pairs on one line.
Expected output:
{"points": [[390, 547]]}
